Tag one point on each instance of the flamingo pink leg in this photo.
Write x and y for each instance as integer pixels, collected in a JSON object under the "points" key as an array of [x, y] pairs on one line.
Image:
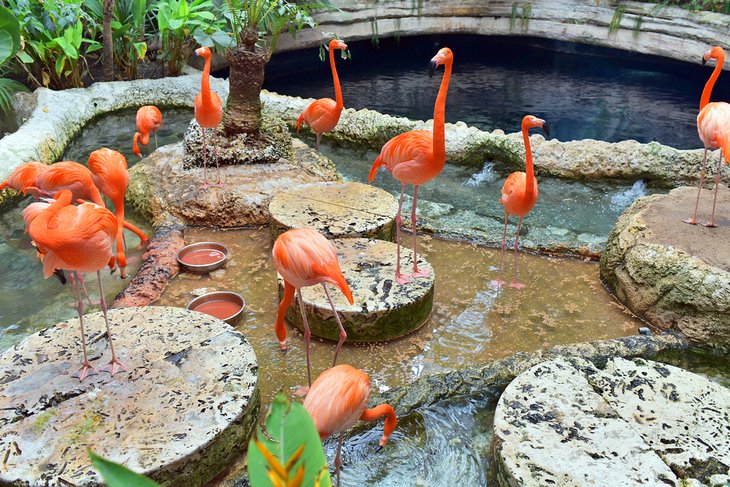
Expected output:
{"points": [[500, 281], [693, 220], [115, 365], [205, 161], [516, 283], [156, 139], [307, 335], [416, 271], [86, 368], [215, 154], [400, 278], [711, 223], [319, 137], [338, 458], [343, 333]]}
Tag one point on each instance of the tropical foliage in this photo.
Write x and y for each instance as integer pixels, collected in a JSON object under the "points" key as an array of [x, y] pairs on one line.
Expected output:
{"points": [[10, 44], [116, 475]]}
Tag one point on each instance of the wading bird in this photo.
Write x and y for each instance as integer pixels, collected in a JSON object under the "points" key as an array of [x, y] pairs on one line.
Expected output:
{"points": [[304, 257], [417, 157], [77, 239], [322, 115], [208, 113], [337, 400], [23, 178], [713, 126], [149, 119], [519, 193]]}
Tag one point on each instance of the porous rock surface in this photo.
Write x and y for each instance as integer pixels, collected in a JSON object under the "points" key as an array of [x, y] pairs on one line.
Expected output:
{"points": [[383, 309], [568, 422], [336, 210], [180, 415], [672, 274]]}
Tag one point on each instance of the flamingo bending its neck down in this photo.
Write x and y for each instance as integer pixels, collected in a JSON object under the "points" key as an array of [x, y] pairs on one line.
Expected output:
{"points": [[519, 193], [322, 115], [337, 400], [23, 178], [713, 126], [77, 239], [109, 173], [149, 119], [208, 113], [417, 157], [304, 257]]}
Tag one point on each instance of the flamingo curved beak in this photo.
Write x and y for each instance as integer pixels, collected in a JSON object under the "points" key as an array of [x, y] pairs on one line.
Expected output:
{"points": [[546, 128], [380, 447], [432, 67]]}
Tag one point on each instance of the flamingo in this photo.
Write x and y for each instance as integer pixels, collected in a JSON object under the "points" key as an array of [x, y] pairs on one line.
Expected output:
{"points": [[337, 400], [322, 115], [208, 112], [109, 173], [149, 119], [24, 177], [304, 257], [713, 126], [77, 239], [519, 193], [417, 157]]}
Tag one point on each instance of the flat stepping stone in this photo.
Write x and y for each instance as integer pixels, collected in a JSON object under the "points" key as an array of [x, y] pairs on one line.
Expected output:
{"points": [[182, 413], [336, 210], [383, 309], [637, 423]]}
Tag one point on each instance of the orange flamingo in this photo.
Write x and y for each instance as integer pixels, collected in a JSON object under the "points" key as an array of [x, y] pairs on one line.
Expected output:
{"points": [[304, 257], [322, 115], [208, 112], [109, 173], [149, 119], [519, 193], [23, 178], [337, 400], [77, 239], [713, 126], [417, 157]]}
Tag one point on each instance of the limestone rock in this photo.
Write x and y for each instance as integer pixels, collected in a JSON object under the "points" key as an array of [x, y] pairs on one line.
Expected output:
{"points": [[672, 274]]}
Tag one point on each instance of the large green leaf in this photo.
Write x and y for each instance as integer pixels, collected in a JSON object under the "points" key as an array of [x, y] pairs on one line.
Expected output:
{"points": [[288, 427], [116, 475], [6, 46], [9, 24]]}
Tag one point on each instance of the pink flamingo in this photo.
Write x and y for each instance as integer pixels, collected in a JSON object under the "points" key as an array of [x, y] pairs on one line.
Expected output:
{"points": [[417, 157], [337, 400], [713, 126], [322, 115], [208, 113], [149, 119]]}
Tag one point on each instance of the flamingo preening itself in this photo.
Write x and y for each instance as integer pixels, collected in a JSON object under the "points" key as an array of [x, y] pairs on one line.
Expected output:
{"points": [[304, 257], [713, 126], [519, 193], [149, 120], [322, 115], [418, 156], [208, 113], [77, 239], [337, 400]]}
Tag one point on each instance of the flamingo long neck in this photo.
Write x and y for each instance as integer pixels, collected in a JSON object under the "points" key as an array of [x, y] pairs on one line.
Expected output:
{"points": [[529, 168], [205, 83], [378, 412], [705, 99], [338, 90], [439, 118], [63, 199]]}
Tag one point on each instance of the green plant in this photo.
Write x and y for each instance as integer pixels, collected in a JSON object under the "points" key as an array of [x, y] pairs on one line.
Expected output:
{"points": [[116, 475], [375, 35], [287, 448], [9, 45], [615, 23], [524, 12]]}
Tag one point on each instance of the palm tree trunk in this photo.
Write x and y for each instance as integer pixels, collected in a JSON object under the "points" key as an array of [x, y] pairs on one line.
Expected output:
{"points": [[243, 109], [108, 6]]}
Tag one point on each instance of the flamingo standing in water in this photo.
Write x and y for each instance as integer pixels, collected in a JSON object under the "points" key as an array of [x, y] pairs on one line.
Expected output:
{"points": [[417, 157], [337, 400], [519, 193], [304, 257], [149, 119], [322, 115], [208, 112], [713, 126], [77, 239], [109, 173]]}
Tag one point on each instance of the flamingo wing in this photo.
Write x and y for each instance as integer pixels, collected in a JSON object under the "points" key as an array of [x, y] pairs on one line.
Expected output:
{"points": [[713, 126], [109, 172], [24, 175], [337, 399], [72, 176], [411, 150], [322, 115]]}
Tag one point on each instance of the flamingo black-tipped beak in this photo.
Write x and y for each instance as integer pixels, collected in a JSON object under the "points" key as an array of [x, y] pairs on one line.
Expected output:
{"points": [[704, 60], [380, 447], [432, 68], [546, 128]]}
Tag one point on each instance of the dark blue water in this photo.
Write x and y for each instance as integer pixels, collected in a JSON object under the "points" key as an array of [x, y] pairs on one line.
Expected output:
{"points": [[583, 91]]}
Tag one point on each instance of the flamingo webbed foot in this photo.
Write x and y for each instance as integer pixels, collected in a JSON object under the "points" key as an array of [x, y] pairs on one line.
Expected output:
{"points": [[516, 285], [710, 224], [419, 273], [300, 391], [86, 370], [402, 279], [114, 366], [691, 221]]}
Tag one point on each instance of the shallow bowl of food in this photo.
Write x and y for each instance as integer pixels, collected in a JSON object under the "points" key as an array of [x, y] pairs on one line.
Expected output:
{"points": [[202, 257], [224, 305]]}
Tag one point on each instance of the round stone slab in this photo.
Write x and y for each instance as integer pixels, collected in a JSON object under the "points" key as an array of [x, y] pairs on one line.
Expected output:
{"points": [[383, 309], [635, 422], [336, 210], [180, 415]]}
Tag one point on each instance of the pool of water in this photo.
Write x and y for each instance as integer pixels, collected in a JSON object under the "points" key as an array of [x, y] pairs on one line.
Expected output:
{"points": [[582, 91]]}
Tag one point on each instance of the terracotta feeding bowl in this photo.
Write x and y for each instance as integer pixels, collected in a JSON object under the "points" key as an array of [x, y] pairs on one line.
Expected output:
{"points": [[202, 257], [224, 305]]}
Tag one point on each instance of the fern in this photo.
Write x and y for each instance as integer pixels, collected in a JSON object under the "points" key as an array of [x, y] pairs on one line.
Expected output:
{"points": [[8, 88]]}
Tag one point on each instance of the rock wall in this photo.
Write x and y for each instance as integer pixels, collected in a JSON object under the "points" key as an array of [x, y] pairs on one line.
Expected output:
{"points": [[641, 27]]}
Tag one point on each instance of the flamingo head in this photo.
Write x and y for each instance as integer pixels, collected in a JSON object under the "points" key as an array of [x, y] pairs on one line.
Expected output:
{"points": [[531, 121], [203, 52], [337, 44], [716, 52], [442, 57]]}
